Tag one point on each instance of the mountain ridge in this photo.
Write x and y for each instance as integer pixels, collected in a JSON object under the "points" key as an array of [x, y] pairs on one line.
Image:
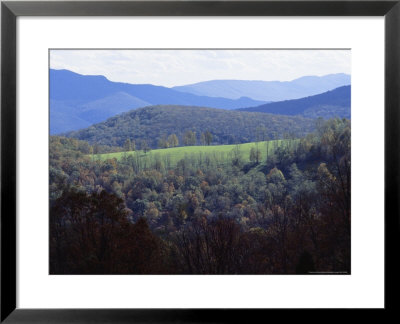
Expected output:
{"points": [[74, 92], [268, 90], [333, 103]]}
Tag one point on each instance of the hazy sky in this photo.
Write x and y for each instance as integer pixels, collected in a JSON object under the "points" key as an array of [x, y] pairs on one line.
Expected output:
{"points": [[179, 67]]}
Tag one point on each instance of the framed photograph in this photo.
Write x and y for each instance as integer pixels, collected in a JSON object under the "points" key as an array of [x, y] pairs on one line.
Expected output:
{"points": [[197, 160]]}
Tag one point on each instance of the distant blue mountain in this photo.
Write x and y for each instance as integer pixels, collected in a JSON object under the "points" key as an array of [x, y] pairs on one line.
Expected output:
{"points": [[78, 101], [268, 90], [335, 103]]}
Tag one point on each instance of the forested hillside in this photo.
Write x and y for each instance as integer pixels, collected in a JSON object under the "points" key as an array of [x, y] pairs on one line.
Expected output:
{"points": [[284, 212], [153, 124]]}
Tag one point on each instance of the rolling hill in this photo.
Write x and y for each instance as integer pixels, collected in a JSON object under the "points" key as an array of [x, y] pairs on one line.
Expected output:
{"points": [[335, 103], [267, 90], [227, 126], [78, 101]]}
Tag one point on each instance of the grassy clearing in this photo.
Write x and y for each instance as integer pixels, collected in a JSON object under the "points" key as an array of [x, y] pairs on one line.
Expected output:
{"points": [[220, 153]]}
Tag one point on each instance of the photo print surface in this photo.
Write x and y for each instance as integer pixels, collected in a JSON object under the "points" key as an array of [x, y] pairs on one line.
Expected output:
{"points": [[200, 161]]}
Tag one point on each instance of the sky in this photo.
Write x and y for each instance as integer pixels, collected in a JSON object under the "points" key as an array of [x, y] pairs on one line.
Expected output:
{"points": [[180, 67]]}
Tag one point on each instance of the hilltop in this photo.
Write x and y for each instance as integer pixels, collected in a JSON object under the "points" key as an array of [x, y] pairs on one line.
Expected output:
{"points": [[226, 126]]}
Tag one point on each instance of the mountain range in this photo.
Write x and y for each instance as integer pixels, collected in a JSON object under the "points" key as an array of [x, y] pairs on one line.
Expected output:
{"points": [[268, 90], [78, 101]]}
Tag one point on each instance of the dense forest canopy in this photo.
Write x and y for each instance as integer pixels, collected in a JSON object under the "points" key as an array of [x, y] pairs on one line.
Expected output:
{"points": [[152, 124], [287, 211]]}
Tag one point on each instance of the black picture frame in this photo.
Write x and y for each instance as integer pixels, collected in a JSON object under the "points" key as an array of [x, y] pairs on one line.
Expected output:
{"points": [[10, 10]]}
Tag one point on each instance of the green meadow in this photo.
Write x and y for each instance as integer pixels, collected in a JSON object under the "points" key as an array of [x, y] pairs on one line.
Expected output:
{"points": [[216, 153]]}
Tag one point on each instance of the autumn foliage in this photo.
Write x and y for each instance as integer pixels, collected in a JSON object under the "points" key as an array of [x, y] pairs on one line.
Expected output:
{"points": [[288, 214]]}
